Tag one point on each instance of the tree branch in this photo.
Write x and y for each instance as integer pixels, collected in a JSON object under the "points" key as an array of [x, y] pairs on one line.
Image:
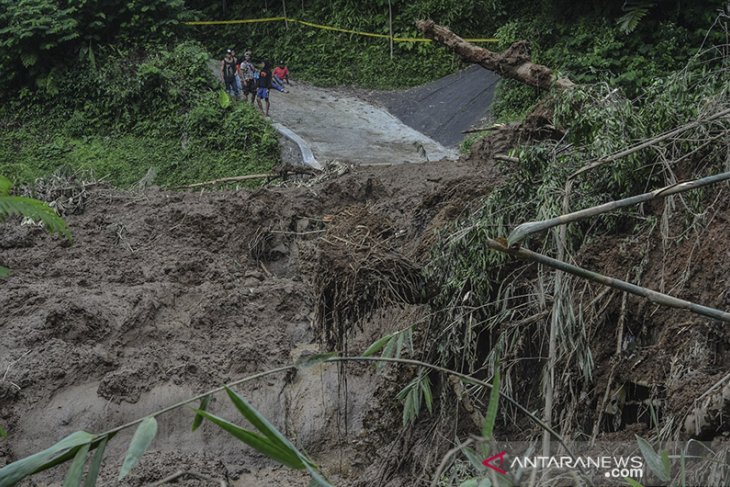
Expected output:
{"points": [[513, 63]]}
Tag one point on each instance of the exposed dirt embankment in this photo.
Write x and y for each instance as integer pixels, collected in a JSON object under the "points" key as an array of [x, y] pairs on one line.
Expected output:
{"points": [[163, 295]]}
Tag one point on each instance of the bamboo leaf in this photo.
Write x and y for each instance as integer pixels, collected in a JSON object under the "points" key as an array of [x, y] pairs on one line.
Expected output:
{"points": [[3, 433], [141, 440], [257, 442], [632, 482], [203, 407], [317, 478], [476, 462], [427, 396], [96, 462], [667, 464], [376, 346], [259, 421], [470, 483], [491, 417], [653, 459], [4, 272], [64, 449], [399, 345], [76, 470]]}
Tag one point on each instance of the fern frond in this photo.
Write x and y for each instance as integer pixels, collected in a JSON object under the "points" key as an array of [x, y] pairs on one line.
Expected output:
{"points": [[635, 11], [35, 210]]}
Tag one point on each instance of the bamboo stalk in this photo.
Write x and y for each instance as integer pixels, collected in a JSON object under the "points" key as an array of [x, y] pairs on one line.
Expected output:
{"points": [[650, 142], [653, 296], [522, 231]]}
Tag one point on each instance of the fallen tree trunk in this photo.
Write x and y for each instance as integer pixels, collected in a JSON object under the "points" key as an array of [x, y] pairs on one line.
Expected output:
{"points": [[513, 63]]}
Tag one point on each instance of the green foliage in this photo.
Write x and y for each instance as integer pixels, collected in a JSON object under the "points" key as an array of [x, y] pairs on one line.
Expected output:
{"points": [[635, 11], [28, 208], [658, 463], [141, 440], [628, 53], [414, 395], [60, 452], [487, 297], [36, 35], [135, 114], [268, 441]]}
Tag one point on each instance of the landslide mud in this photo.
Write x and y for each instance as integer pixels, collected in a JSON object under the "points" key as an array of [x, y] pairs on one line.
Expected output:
{"points": [[163, 295]]}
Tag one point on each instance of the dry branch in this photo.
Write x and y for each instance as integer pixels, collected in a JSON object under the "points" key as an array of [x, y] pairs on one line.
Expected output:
{"points": [[653, 296], [522, 231], [513, 63], [249, 177]]}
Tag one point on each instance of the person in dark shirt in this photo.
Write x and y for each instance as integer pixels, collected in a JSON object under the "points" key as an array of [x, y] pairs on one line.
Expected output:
{"points": [[264, 85], [228, 73]]}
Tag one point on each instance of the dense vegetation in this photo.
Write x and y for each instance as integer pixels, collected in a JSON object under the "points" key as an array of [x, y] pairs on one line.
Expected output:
{"points": [[120, 87]]}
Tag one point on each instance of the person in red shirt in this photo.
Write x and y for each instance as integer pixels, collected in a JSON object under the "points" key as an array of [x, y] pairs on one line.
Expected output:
{"points": [[281, 73]]}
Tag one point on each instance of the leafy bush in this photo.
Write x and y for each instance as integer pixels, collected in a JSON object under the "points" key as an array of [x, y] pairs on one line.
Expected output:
{"points": [[120, 112], [40, 36]]}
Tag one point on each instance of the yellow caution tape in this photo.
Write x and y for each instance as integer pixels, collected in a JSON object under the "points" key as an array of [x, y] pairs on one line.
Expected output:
{"points": [[325, 27]]}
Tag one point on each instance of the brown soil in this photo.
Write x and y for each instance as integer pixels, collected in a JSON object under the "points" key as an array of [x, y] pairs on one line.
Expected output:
{"points": [[163, 295]]}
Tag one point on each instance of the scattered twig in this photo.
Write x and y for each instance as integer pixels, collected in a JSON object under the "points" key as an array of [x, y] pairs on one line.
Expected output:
{"points": [[445, 460], [181, 473], [505, 157]]}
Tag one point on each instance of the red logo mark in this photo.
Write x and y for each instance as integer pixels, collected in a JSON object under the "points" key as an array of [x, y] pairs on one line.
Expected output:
{"points": [[488, 462]]}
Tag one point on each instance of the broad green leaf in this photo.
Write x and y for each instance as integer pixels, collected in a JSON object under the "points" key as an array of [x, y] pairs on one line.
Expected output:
{"points": [[257, 442], [312, 360], [470, 483], [376, 346], [4, 272], [632, 482], [653, 459], [491, 417], [96, 462], [141, 440], [485, 483], [203, 407], [3, 433], [76, 470], [224, 99], [66, 448], [5, 186]]}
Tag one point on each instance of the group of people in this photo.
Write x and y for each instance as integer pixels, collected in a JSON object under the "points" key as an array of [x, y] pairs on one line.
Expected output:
{"points": [[242, 78]]}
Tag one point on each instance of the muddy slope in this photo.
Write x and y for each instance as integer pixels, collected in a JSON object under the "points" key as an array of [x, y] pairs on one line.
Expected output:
{"points": [[163, 295]]}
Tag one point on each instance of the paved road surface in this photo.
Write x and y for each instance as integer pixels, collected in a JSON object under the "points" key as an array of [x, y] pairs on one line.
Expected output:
{"points": [[444, 108], [338, 126]]}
